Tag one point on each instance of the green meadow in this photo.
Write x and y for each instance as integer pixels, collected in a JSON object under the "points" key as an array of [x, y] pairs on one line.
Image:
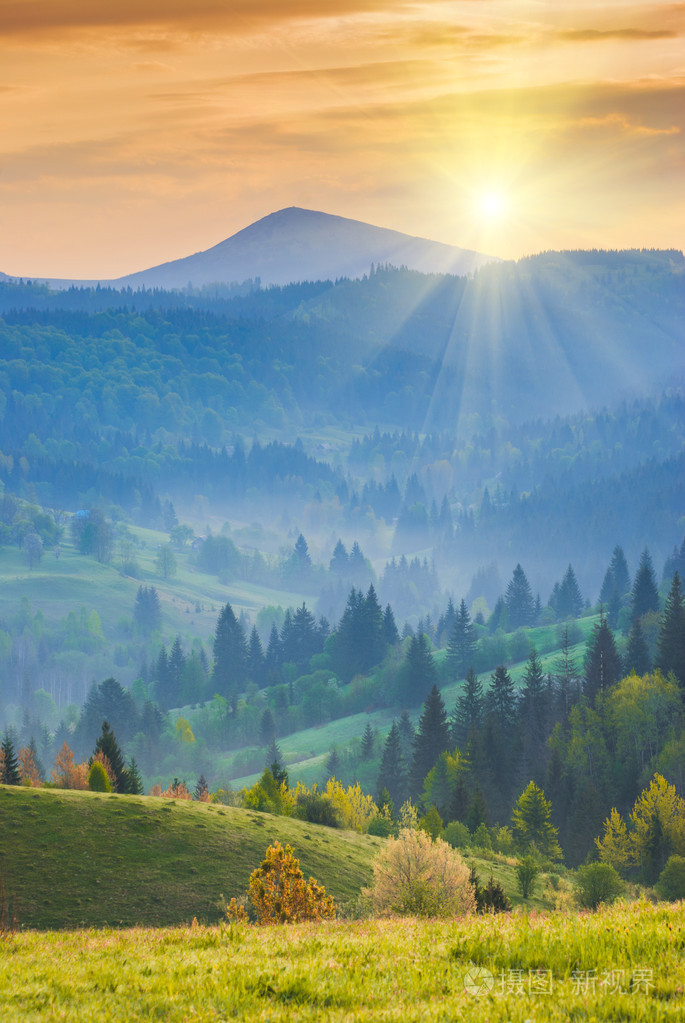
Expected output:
{"points": [[622, 964]]}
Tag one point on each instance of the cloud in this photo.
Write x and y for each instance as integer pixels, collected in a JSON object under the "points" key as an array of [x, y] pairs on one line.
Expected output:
{"points": [[34, 17], [592, 35]]}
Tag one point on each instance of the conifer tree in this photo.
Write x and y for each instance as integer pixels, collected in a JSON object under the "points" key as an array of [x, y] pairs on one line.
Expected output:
{"points": [[533, 709], [407, 733], [255, 659], [393, 770], [267, 727], [468, 712], [637, 657], [9, 774], [432, 738], [108, 745], [645, 595], [177, 663], [671, 642], [616, 580], [368, 742], [339, 563], [461, 644], [390, 633], [532, 824], [519, 600], [570, 599], [201, 789], [421, 670], [273, 658], [135, 782], [566, 677], [230, 655], [603, 666]]}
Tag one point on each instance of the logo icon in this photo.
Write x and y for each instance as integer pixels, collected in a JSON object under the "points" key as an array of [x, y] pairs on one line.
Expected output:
{"points": [[478, 981]]}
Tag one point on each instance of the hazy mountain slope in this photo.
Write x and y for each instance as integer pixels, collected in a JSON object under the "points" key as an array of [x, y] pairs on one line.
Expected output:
{"points": [[301, 245]]}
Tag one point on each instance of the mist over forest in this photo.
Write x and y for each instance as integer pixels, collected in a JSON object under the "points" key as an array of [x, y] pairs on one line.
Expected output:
{"points": [[326, 460]]}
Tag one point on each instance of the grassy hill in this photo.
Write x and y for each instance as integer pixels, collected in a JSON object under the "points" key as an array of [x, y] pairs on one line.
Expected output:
{"points": [[76, 859]]}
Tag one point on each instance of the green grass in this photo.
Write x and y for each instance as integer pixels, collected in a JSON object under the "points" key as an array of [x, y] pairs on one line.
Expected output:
{"points": [[623, 964], [87, 859]]}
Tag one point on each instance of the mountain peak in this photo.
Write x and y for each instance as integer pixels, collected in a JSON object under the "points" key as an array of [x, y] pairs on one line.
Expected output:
{"points": [[295, 244]]}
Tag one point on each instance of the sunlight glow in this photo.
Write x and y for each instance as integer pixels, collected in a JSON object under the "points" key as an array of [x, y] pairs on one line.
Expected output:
{"points": [[492, 205]]}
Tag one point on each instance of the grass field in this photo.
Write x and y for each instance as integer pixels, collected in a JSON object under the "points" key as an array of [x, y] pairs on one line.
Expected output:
{"points": [[81, 859], [619, 965]]}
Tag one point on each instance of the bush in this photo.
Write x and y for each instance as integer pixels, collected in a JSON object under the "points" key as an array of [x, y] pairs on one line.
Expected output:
{"points": [[280, 894], [416, 876], [671, 883], [489, 899], [97, 778], [315, 808], [457, 835], [596, 883]]}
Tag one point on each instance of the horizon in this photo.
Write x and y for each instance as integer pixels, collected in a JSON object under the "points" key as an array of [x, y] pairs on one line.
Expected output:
{"points": [[131, 134]]}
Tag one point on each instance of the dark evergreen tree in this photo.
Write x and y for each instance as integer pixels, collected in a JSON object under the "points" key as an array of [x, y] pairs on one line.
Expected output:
{"points": [[644, 596], [371, 636], [304, 640], [390, 633], [267, 727], [332, 763], [421, 673], [569, 599], [534, 715], [432, 738], [519, 600], [566, 677], [108, 745], [603, 666], [177, 663], [147, 612], [501, 699], [407, 733], [499, 619], [477, 812], [10, 767], [229, 674], [256, 663], [462, 643], [637, 657], [201, 789], [274, 762], [107, 701], [671, 642], [134, 781], [368, 742], [616, 580], [162, 680], [273, 658], [339, 563], [468, 712]]}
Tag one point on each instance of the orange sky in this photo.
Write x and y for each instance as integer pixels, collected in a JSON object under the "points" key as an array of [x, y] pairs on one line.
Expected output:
{"points": [[144, 130]]}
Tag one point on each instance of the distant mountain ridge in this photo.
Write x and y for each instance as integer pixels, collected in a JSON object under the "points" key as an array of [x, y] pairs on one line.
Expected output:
{"points": [[294, 245]]}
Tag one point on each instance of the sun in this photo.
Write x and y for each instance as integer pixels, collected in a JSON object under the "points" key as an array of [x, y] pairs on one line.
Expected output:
{"points": [[491, 205]]}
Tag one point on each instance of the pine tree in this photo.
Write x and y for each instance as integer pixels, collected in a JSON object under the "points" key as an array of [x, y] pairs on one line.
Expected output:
{"points": [[603, 666], [617, 578], [255, 659], [461, 644], [108, 745], [570, 599], [671, 642], [501, 699], [637, 657], [432, 738], [230, 655], [421, 671], [566, 676], [177, 663], [10, 767], [532, 825], [407, 733], [273, 658], [468, 712], [339, 563], [645, 595], [201, 789], [390, 633], [135, 782], [533, 702], [519, 600], [393, 770], [267, 727], [368, 742]]}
